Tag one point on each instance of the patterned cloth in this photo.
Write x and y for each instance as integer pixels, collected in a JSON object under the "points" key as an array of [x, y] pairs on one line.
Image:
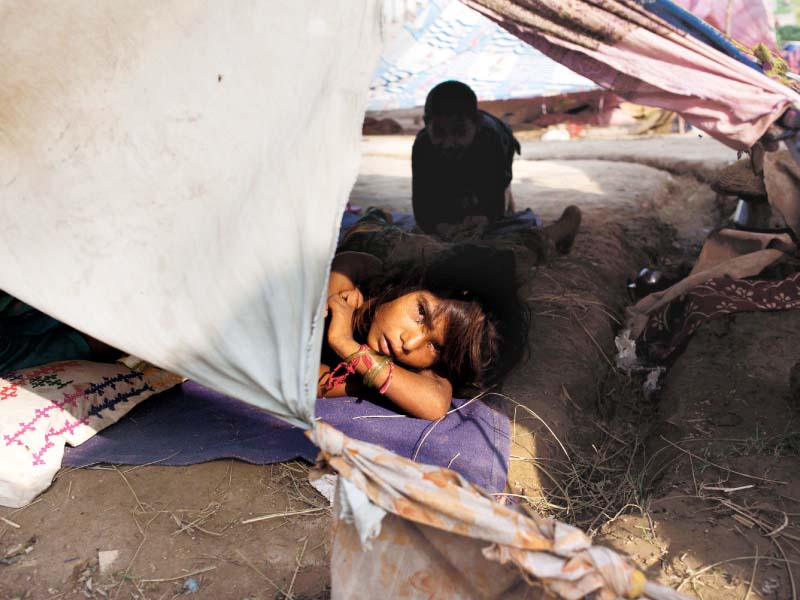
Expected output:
{"points": [[45, 407], [384, 235], [668, 330], [452, 535]]}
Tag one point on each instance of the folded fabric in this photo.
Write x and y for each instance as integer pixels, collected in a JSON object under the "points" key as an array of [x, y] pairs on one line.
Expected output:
{"points": [[738, 268], [43, 408], [192, 424], [670, 327]]}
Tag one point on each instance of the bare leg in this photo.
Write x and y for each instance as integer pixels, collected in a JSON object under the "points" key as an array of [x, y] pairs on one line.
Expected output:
{"points": [[563, 231]]}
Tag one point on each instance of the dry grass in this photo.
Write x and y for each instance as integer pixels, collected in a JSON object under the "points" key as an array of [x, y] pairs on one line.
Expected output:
{"points": [[613, 472], [605, 476]]}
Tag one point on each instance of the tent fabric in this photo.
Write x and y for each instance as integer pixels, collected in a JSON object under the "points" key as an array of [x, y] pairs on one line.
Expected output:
{"points": [[749, 22], [622, 46], [560, 556], [160, 190], [447, 40], [791, 54], [689, 19]]}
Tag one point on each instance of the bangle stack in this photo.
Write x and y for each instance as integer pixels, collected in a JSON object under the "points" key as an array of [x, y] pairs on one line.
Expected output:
{"points": [[374, 362]]}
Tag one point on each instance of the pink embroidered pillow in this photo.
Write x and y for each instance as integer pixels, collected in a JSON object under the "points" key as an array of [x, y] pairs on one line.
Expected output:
{"points": [[43, 408]]}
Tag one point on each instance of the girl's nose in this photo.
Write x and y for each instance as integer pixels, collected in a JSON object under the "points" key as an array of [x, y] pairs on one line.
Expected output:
{"points": [[412, 340]]}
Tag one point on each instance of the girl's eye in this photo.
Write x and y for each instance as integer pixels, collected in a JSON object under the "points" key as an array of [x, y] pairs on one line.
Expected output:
{"points": [[425, 316], [423, 312], [436, 347]]}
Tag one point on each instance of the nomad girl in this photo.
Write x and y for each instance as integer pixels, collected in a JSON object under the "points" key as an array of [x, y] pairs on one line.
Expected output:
{"points": [[418, 331]]}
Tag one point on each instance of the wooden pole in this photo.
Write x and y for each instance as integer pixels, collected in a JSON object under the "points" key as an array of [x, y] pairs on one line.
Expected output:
{"points": [[728, 18]]}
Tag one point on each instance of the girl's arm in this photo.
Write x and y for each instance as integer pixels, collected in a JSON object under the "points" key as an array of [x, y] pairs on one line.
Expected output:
{"points": [[422, 394]]}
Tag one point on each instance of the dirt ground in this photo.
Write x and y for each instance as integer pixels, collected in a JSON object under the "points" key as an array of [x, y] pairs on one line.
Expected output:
{"points": [[693, 483]]}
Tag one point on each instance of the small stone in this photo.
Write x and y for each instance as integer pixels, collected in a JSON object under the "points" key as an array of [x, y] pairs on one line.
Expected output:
{"points": [[770, 586], [191, 585], [105, 558]]}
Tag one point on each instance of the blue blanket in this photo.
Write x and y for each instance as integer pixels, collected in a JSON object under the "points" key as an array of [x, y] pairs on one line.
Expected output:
{"points": [[191, 424]]}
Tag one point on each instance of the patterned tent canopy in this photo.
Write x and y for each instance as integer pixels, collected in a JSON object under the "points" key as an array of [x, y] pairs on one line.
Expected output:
{"points": [[447, 40]]}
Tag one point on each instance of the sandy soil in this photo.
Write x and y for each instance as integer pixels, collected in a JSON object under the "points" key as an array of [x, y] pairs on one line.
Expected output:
{"points": [[170, 525], [177, 524], [726, 401]]}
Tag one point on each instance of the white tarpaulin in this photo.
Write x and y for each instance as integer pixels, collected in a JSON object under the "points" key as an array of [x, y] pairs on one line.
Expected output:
{"points": [[173, 173]]}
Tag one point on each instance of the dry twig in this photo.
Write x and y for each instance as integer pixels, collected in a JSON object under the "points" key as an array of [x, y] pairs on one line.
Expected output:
{"points": [[177, 577], [284, 514], [260, 574], [299, 561], [705, 460]]}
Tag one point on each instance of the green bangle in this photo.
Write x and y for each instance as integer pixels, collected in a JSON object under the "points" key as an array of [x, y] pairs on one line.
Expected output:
{"points": [[364, 349], [380, 363]]}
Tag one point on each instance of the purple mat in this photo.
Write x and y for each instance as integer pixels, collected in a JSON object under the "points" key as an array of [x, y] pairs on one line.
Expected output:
{"points": [[190, 424]]}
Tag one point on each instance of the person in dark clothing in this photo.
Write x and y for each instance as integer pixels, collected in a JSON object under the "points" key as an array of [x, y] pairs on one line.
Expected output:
{"points": [[461, 161], [29, 338]]}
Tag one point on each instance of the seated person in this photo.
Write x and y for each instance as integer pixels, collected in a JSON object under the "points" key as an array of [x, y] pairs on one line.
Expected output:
{"points": [[416, 331], [461, 161]]}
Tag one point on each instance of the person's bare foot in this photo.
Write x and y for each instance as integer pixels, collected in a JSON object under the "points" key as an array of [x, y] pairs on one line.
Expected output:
{"points": [[564, 230]]}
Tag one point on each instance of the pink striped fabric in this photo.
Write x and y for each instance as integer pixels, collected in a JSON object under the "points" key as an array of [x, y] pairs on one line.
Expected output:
{"points": [[751, 21], [623, 47]]}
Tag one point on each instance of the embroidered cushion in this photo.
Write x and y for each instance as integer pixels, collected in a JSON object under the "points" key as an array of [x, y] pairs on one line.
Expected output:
{"points": [[42, 408]]}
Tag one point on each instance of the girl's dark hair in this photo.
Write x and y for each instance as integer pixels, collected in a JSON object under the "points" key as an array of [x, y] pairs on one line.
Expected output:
{"points": [[487, 325], [451, 98]]}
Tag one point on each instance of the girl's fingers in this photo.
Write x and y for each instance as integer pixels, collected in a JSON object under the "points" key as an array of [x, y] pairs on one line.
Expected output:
{"points": [[339, 305], [336, 299], [354, 298]]}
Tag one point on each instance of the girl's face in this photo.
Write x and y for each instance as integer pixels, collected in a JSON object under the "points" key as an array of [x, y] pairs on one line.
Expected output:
{"points": [[404, 330]]}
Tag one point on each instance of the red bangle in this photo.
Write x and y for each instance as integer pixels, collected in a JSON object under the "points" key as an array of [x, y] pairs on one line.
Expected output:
{"points": [[386, 383], [348, 367]]}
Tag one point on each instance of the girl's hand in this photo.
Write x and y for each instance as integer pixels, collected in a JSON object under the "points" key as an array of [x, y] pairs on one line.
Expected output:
{"points": [[341, 307], [353, 296]]}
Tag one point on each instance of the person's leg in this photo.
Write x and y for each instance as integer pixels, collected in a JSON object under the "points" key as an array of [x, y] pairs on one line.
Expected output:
{"points": [[563, 231], [510, 207]]}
